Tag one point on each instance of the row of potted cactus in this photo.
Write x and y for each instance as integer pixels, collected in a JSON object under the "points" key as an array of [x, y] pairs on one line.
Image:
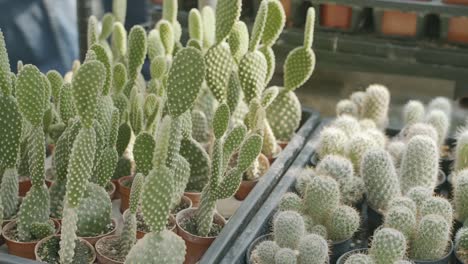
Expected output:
{"points": [[365, 187], [205, 124]]}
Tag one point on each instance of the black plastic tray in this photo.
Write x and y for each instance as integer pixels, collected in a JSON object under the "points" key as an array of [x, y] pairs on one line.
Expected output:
{"points": [[11, 259], [259, 198]]}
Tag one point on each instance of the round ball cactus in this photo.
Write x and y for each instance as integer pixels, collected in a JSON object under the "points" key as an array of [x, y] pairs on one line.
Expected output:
{"points": [[378, 136], [344, 222], [319, 230], [347, 107], [288, 228], [347, 124], [321, 198], [420, 164], [460, 196], [265, 252], [402, 219], [358, 98], [413, 112], [432, 238], [380, 177], [405, 202], [336, 167], [357, 147], [285, 256], [352, 190], [376, 103], [461, 239], [290, 202], [388, 246], [332, 141], [313, 249], [438, 206], [419, 195]]}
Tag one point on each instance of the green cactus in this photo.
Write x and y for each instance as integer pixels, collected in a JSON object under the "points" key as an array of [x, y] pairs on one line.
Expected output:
{"points": [[358, 146], [119, 41], [56, 82], [159, 248], [332, 141], [288, 228], [376, 103], [265, 252], [252, 74], [227, 13], [419, 165], [107, 27], [219, 65], [344, 222], [290, 202], [319, 230], [92, 33], [68, 235], [413, 112], [319, 190], [143, 152], [66, 106], [274, 24], [460, 196], [285, 256], [155, 45], [461, 239], [166, 35], [461, 152], [404, 202], [352, 190], [359, 258], [119, 10], [238, 40], [419, 195], [432, 238], [402, 219], [347, 107], [439, 120], [5, 81], [41, 230], [209, 21], [388, 246], [380, 177], [137, 47], [336, 167], [313, 249], [438, 206], [284, 115]]}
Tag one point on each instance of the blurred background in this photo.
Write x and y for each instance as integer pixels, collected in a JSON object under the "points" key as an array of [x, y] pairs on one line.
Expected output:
{"points": [[418, 49]]}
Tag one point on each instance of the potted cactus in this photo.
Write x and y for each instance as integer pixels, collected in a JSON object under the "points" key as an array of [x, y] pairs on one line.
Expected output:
{"points": [[291, 243]]}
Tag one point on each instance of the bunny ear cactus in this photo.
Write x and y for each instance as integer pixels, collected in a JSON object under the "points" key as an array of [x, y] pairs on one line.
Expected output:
{"points": [[461, 152], [376, 103], [432, 238], [252, 74], [119, 41], [137, 46], [388, 246], [380, 177], [238, 40], [227, 13], [419, 165], [66, 106], [143, 152], [5, 81], [11, 122], [219, 65], [56, 82]]}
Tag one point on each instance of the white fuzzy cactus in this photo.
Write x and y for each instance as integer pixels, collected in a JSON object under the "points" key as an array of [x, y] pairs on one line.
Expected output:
{"points": [[461, 151], [332, 141], [413, 112], [376, 104], [440, 121], [347, 107]]}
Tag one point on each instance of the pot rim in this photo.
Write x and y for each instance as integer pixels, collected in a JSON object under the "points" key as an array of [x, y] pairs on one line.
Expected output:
{"points": [[13, 222], [346, 255], [40, 242], [446, 256], [114, 222], [254, 243], [171, 217], [121, 179], [101, 240], [182, 213]]}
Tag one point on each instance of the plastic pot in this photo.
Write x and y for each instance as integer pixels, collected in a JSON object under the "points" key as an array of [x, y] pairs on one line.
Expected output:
{"points": [[22, 249], [252, 246], [339, 248], [336, 16], [194, 197], [246, 186], [374, 220], [38, 258], [346, 255], [458, 29], [124, 191], [171, 220], [102, 258], [444, 260], [92, 240], [196, 245]]}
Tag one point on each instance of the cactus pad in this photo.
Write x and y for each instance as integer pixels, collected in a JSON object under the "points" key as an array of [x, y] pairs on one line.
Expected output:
{"points": [[219, 65], [227, 13], [298, 67]]}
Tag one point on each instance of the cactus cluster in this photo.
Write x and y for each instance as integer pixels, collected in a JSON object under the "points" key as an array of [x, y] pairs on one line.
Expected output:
{"points": [[291, 243]]}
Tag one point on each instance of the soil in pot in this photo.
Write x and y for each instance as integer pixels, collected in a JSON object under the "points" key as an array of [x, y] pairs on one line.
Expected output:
{"points": [[458, 29], [397, 23], [110, 230], [185, 203], [108, 250], [143, 228], [125, 184], [194, 197], [336, 16], [18, 248], [196, 245], [48, 248]]}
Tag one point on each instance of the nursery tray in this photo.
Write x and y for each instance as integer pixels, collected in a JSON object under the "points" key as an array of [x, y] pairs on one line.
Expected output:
{"points": [[235, 250], [11, 259], [255, 202]]}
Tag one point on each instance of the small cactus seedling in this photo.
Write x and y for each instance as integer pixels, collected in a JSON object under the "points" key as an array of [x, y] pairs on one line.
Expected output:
{"points": [[344, 222], [432, 238], [288, 228], [375, 105], [388, 246], [321, 198], [461, 152], [402, 219], [380, 177], [419, 165], [347, 107], [265, 252], [413, 112], [332, 141], [440, 122], [460, 196]]}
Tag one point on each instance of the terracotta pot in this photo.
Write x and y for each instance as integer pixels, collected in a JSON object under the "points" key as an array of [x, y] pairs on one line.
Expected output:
{"points": [[25, 185], [397, 23], [116, 184], [5, 222], [336, 16], [287, 11], [38, 258], [456, 2], [94, 239], [246, 186], [101, 258], [22, 249], [184, 200], [283, 144], [50, 149], [194, 197], [171, 220], [112, 191], [196, 245], [458, 29], [124, 193]]}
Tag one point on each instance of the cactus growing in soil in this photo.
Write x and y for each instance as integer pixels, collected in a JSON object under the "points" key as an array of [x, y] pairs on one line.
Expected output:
{"points": [[380, 177], [413, 112], [321, 198], [288, 228], [375, 104], [358, 146], [388, 246], [313, 249], [402, 219], [344, 222], [460, 196], [432, 238], [290, 202], [332, 141], [438, 206], [419, 165], [461, 151]]}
